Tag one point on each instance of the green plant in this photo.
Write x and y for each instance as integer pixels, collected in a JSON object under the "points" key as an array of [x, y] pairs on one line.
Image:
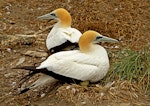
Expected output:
{"points": [[130, 65]]}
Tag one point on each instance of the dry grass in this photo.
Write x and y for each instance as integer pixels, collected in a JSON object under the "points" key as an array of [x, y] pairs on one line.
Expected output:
{"points": [[128, 21], [117, 91]]}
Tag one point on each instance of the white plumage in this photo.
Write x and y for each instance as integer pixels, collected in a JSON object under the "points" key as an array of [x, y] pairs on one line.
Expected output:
{"points": [[58, 36], [78, 65], [89, 63], [61, 31]]}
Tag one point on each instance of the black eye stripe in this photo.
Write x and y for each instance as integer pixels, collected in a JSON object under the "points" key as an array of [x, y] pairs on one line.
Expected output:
{"points": [[53, 14], [99, 37]]}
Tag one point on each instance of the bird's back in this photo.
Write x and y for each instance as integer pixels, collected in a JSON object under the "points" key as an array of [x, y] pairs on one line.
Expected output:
{"points": [[60, 38]]}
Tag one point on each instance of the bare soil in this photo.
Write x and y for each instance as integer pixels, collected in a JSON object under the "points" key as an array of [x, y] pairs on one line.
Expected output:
{"points": [[128, 21]]}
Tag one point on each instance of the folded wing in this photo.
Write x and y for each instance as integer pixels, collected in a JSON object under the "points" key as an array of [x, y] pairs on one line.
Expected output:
{"points": [[72, 64]]}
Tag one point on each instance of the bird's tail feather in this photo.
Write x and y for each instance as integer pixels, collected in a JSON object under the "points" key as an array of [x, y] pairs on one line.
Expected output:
{"points": [[32, 70], [24, 90], [41, 81], [48, 72]]}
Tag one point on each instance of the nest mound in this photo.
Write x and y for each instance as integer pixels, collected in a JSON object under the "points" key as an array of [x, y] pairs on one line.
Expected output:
{"points": [[112, 92]]}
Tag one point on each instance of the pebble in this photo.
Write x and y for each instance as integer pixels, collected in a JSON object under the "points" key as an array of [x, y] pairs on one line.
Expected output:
{"points": [[102, 93], [13, 84], [7, 13], [21, 60], [116, 9], [68, 87], [42, 95], [83, 103], [7, 75], [9, 50], [43, 58], [73, 90]]}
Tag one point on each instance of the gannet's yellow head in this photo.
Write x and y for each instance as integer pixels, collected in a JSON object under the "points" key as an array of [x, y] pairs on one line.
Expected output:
{"points": [[90, 37], [60, 14]]}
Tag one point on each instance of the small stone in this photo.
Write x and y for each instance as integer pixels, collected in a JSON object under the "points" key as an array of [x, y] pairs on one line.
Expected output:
{"points": [[14, 51], [116, 9], [39, 8], [7, 75], [73, 90], [13, 83], [21, 60], [7, 13], [116, 47], [43, 58], [9, 50], [68, 87], [97, 85], [10, 93], [42, 95], [7, 7], [102, 93], [83, 103]]}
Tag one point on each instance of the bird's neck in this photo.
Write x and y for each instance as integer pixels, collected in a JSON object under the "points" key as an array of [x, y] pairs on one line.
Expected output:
{"points": [[86, 47], [60, 25], [96, 51], [65, 22]]}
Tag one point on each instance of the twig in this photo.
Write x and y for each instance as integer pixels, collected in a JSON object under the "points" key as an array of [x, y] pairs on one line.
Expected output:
{"points": [[42, 30]]}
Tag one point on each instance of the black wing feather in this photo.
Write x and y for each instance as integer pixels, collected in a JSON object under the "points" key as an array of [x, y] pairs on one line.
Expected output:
{"points": [[47, 72], [63, 46]]}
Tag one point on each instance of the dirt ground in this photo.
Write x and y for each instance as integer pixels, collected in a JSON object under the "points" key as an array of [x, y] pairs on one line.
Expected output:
{"points": [[128, 21]]}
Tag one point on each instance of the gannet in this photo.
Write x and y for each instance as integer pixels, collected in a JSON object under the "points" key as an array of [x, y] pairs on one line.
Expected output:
{"points": [[89, 63], [62, 34]]}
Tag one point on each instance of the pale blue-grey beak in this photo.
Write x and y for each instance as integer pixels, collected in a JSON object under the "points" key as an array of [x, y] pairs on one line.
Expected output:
{"points": [[102, 38], [47, 16]]}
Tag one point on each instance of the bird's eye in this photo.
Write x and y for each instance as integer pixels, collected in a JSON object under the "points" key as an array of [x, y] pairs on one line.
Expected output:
{"points": [[99, 37], [53, 14]]}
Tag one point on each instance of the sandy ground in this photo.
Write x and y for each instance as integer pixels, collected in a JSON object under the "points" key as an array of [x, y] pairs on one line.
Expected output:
{"points": [[127, 21]]}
